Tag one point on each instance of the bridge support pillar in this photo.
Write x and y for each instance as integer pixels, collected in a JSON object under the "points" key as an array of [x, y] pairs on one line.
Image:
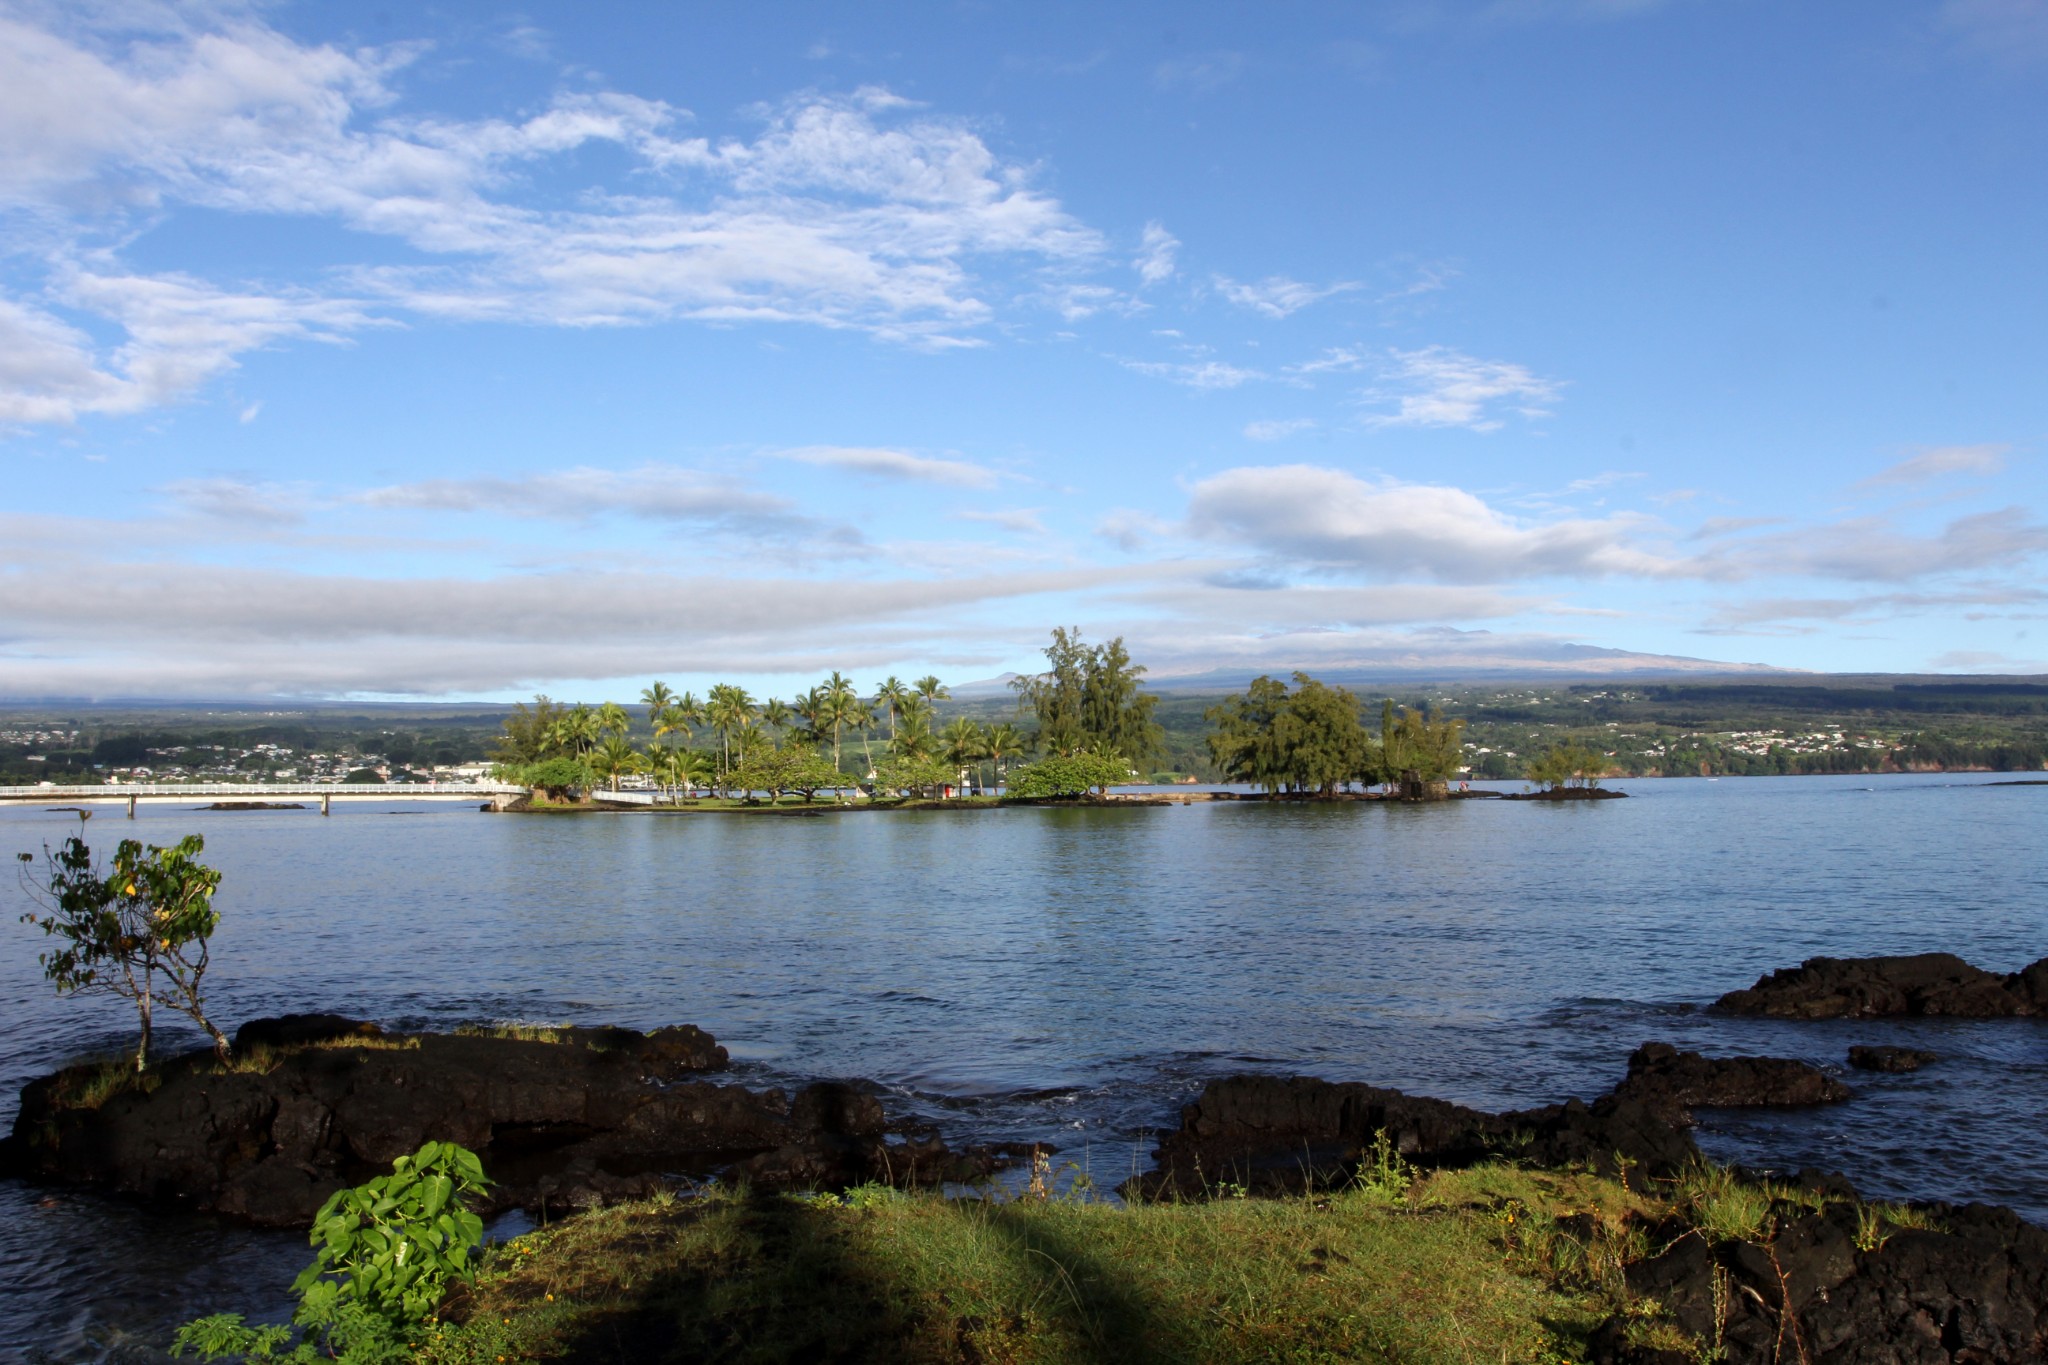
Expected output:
{"points": [[326, 802], [131, 807]]}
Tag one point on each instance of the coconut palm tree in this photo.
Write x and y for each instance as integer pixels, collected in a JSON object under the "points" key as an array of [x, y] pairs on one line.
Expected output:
{"points": [[729, 709], [679, 768], [613, 758], [656, 698], [777, 713], [613, 720], [932, 690], [1002, 742], [839, 709], [679, 715], [891, 695], [914, 737], [963, 743]]}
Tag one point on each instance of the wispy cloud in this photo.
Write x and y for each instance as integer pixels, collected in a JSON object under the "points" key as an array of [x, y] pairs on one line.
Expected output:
{"points": [[1278, 429], [1937, 462], [883, 463], [1200, 72], [1195, 374], [1156, 253], [660, 493], [2009, 31], [1276, 296], [1437, 386], [1024, 521]]}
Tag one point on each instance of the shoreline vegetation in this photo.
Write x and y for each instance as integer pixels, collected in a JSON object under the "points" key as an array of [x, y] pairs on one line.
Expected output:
{"points": [[1095, 730]]}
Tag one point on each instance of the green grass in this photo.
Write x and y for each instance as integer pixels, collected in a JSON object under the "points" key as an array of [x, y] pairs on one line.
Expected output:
{"points": [[88, 1085], [1462, 1267]]}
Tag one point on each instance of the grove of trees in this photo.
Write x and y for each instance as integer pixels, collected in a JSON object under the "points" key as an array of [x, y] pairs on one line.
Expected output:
{"points": [[1314, 739]]}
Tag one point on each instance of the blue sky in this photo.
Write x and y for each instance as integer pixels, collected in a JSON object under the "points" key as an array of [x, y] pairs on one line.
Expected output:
{"points": [[467, 351]]}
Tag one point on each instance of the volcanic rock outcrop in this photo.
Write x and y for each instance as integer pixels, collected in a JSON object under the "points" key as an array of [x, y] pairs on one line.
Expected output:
{"points": [[1270, 1133], [569, 1118], [1875, 987]]}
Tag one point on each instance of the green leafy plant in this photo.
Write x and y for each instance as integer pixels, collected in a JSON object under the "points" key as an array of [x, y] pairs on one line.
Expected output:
{"points": [[1074, 775], [138, 931], [386, 1251]]}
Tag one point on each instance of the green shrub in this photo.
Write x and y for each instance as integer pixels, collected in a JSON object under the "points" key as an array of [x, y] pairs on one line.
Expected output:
{"points": [[1071, 775], [387, 1250]]}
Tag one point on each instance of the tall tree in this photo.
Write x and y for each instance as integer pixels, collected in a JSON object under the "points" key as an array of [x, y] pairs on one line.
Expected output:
{"points": [[1003, 742], [932, 690], [613, 758], [839, 708], [1091, 695], [613, 720], [890, 696], [728, 709], [963, 742], [656, 698]]}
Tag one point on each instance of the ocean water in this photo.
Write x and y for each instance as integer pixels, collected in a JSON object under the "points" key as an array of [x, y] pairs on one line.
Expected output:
{"points": [[1073, 976]]}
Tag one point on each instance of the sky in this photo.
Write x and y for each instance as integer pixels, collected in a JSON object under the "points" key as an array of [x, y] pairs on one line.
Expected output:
{"points": [[463, 351]]}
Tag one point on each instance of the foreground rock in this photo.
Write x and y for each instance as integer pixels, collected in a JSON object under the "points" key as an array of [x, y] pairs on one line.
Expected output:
{"points": [[1282, 1133], [1840, 1287], [568, 1118], [1889, 1058], [1874, 987], [1673, 1083]]}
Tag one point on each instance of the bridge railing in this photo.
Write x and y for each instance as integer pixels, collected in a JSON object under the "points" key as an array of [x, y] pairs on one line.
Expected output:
{"points": [[111, 790]]}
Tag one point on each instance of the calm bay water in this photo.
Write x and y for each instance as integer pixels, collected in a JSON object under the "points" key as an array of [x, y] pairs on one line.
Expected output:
{"points": [[1074, 976]]}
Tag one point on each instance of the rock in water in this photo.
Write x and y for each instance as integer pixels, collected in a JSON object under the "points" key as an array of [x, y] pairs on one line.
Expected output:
{"points": [[589, 1116], [1875, 987], [1673, 1082], [1889, 1058]]}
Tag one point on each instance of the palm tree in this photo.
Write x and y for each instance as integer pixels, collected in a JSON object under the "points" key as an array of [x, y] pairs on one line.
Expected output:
{"points": [[679, 768], [891, 694], [614, 757], [964, 742], [679, 715], [839, 707], [914, 737], [613, 720], [776, 712], [728, 708], [575, 731], [656, 698], [1001, 742], [932, 690]]}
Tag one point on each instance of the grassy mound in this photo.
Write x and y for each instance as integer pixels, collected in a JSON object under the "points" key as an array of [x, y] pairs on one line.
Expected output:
{"points": [[1491, 1264]]}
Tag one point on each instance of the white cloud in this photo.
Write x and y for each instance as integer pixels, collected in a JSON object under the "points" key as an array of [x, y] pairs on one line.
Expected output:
{"points": [[94, 627], [1437, 386], [1024, 521], [1131, 530], [1196, 374], [858, 211], [1333, 520], [882, 463], [1879, 550], [1156, 252], [1276, 296], [1278, 429], [237, 500], [180, 332], [1939, 462], [654, 492]]}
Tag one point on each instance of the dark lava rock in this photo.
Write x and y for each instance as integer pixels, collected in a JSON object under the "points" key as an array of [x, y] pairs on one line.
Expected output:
{"points": [[1671, 1082], [1871, 987], [1889, 1058], [1823, 1290], [1274, 1133], [600, 1115], [1566, 794]]}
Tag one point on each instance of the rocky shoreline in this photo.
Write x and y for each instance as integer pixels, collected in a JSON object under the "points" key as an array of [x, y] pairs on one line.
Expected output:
{"points": [[568, 1119]]}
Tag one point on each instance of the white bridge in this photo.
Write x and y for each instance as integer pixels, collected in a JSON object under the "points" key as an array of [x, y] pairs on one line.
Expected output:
{"points": [[130, 793]]}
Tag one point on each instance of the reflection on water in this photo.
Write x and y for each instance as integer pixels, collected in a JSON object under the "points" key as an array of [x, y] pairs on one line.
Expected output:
{"points": [[1073, 976]]}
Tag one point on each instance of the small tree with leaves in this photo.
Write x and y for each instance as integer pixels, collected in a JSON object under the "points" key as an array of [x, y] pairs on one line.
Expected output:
{"points": [[139, 931]]}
